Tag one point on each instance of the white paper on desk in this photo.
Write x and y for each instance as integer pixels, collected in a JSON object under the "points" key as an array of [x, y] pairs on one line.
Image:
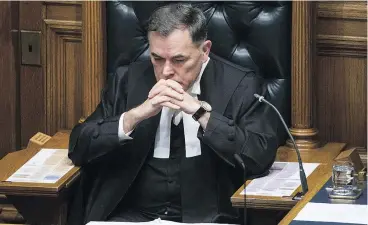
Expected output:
{"points": [[153, 222], [282, 180], [47, 166], [336, 213]]}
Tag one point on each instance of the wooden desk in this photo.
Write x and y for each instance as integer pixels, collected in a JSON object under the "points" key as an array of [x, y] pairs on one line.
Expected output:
{"points": [[51, 199], [308, 197], [324, 155], [280, 203], [38, 203]]}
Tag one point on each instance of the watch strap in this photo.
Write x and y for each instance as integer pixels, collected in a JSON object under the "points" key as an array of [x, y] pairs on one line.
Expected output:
{"points": [[199, 113]]}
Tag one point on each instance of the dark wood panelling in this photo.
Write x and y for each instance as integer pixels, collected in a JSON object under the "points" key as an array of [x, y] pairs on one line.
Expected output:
{"points": [[62, 51], [343, 10], [63, 74], [16, 57], [341, 72], [342, 29], [62, 11], [342, 100], [31, 78], [32, 117], [355, 28], [73, 65], [8, 80], [30, 15]]}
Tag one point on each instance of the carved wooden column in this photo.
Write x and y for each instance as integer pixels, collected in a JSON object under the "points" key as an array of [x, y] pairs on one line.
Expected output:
{"points": [[301, 70], [93, 38]]}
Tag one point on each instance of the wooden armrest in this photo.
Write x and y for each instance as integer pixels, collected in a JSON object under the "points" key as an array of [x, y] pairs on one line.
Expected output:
{"points": [[13, 161], [39, 203]]}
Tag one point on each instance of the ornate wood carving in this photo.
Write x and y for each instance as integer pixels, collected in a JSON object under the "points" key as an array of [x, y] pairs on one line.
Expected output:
{"points": [[302, 67], [93, 17], [63, 75]]}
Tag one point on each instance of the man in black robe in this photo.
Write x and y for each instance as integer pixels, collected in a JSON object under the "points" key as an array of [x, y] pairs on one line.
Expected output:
{"points": [[162, 141]]}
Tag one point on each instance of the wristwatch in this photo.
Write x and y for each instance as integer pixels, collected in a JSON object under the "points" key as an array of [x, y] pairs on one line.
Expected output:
{"points": [[205, 107]]}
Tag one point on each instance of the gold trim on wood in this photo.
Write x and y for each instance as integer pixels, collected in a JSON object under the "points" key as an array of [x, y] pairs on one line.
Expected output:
{"points": [[93, 53], [301, 75], [336, 45]]}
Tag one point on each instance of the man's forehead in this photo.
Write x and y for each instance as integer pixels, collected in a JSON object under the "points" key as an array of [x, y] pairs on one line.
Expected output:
{"points": [[170, 51], [175, 39], [180, 33]]}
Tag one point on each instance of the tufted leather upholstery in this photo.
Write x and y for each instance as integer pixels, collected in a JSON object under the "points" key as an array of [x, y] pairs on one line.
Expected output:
{"points": [[255, 35]]}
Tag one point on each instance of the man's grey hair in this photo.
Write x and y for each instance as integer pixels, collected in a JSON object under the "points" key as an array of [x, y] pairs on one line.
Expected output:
{"points": [[170, 17]]}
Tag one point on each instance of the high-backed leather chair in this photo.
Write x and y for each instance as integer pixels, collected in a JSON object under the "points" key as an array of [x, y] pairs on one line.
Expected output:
{"points": [[255, 35]]}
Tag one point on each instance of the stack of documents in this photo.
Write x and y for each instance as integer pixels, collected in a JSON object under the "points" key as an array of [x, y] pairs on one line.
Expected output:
{"points": [[282, 180]]}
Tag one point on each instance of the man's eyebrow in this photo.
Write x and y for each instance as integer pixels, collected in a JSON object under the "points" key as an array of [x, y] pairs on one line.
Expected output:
{"points": [[179, 56], [155, 55]]}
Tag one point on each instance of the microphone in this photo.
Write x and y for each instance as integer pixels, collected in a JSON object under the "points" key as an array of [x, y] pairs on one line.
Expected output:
{"points": [[303, 178], [242, 164]]}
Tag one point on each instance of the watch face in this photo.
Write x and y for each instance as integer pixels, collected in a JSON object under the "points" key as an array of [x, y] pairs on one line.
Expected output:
{"points": [[206, 106]]}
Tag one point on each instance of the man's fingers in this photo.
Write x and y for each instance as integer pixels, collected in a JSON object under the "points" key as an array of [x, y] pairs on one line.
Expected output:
{"points": [[156, 90], [162, 85], [164, 101], [159, 99], [173, 94], [165, 91], [170, 105], [175, 85]]}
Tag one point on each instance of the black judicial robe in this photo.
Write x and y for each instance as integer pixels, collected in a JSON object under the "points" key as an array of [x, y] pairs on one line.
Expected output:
{"points": [[238, 124]]}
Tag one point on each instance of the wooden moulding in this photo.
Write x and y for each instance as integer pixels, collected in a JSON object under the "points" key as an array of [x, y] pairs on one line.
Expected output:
{"points": [[94, 45], [301, 76], [9, 214]]}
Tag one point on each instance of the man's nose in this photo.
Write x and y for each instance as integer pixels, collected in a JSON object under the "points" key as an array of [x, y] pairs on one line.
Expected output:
{"points": [[168, 70]]}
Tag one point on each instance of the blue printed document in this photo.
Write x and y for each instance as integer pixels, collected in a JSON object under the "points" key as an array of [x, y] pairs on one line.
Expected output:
{"points": [[47, 166]]}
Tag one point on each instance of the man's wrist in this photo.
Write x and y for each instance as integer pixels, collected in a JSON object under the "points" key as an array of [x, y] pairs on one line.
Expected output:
{"points": [[131, 119], [203, 108], [196, 107]]}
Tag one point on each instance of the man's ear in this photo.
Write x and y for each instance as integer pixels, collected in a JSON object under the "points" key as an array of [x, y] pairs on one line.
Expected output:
{"points": [[206, 47]]}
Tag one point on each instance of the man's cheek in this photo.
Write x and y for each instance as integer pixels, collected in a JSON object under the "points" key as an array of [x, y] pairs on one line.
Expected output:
{"points": [[158, 73]]}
